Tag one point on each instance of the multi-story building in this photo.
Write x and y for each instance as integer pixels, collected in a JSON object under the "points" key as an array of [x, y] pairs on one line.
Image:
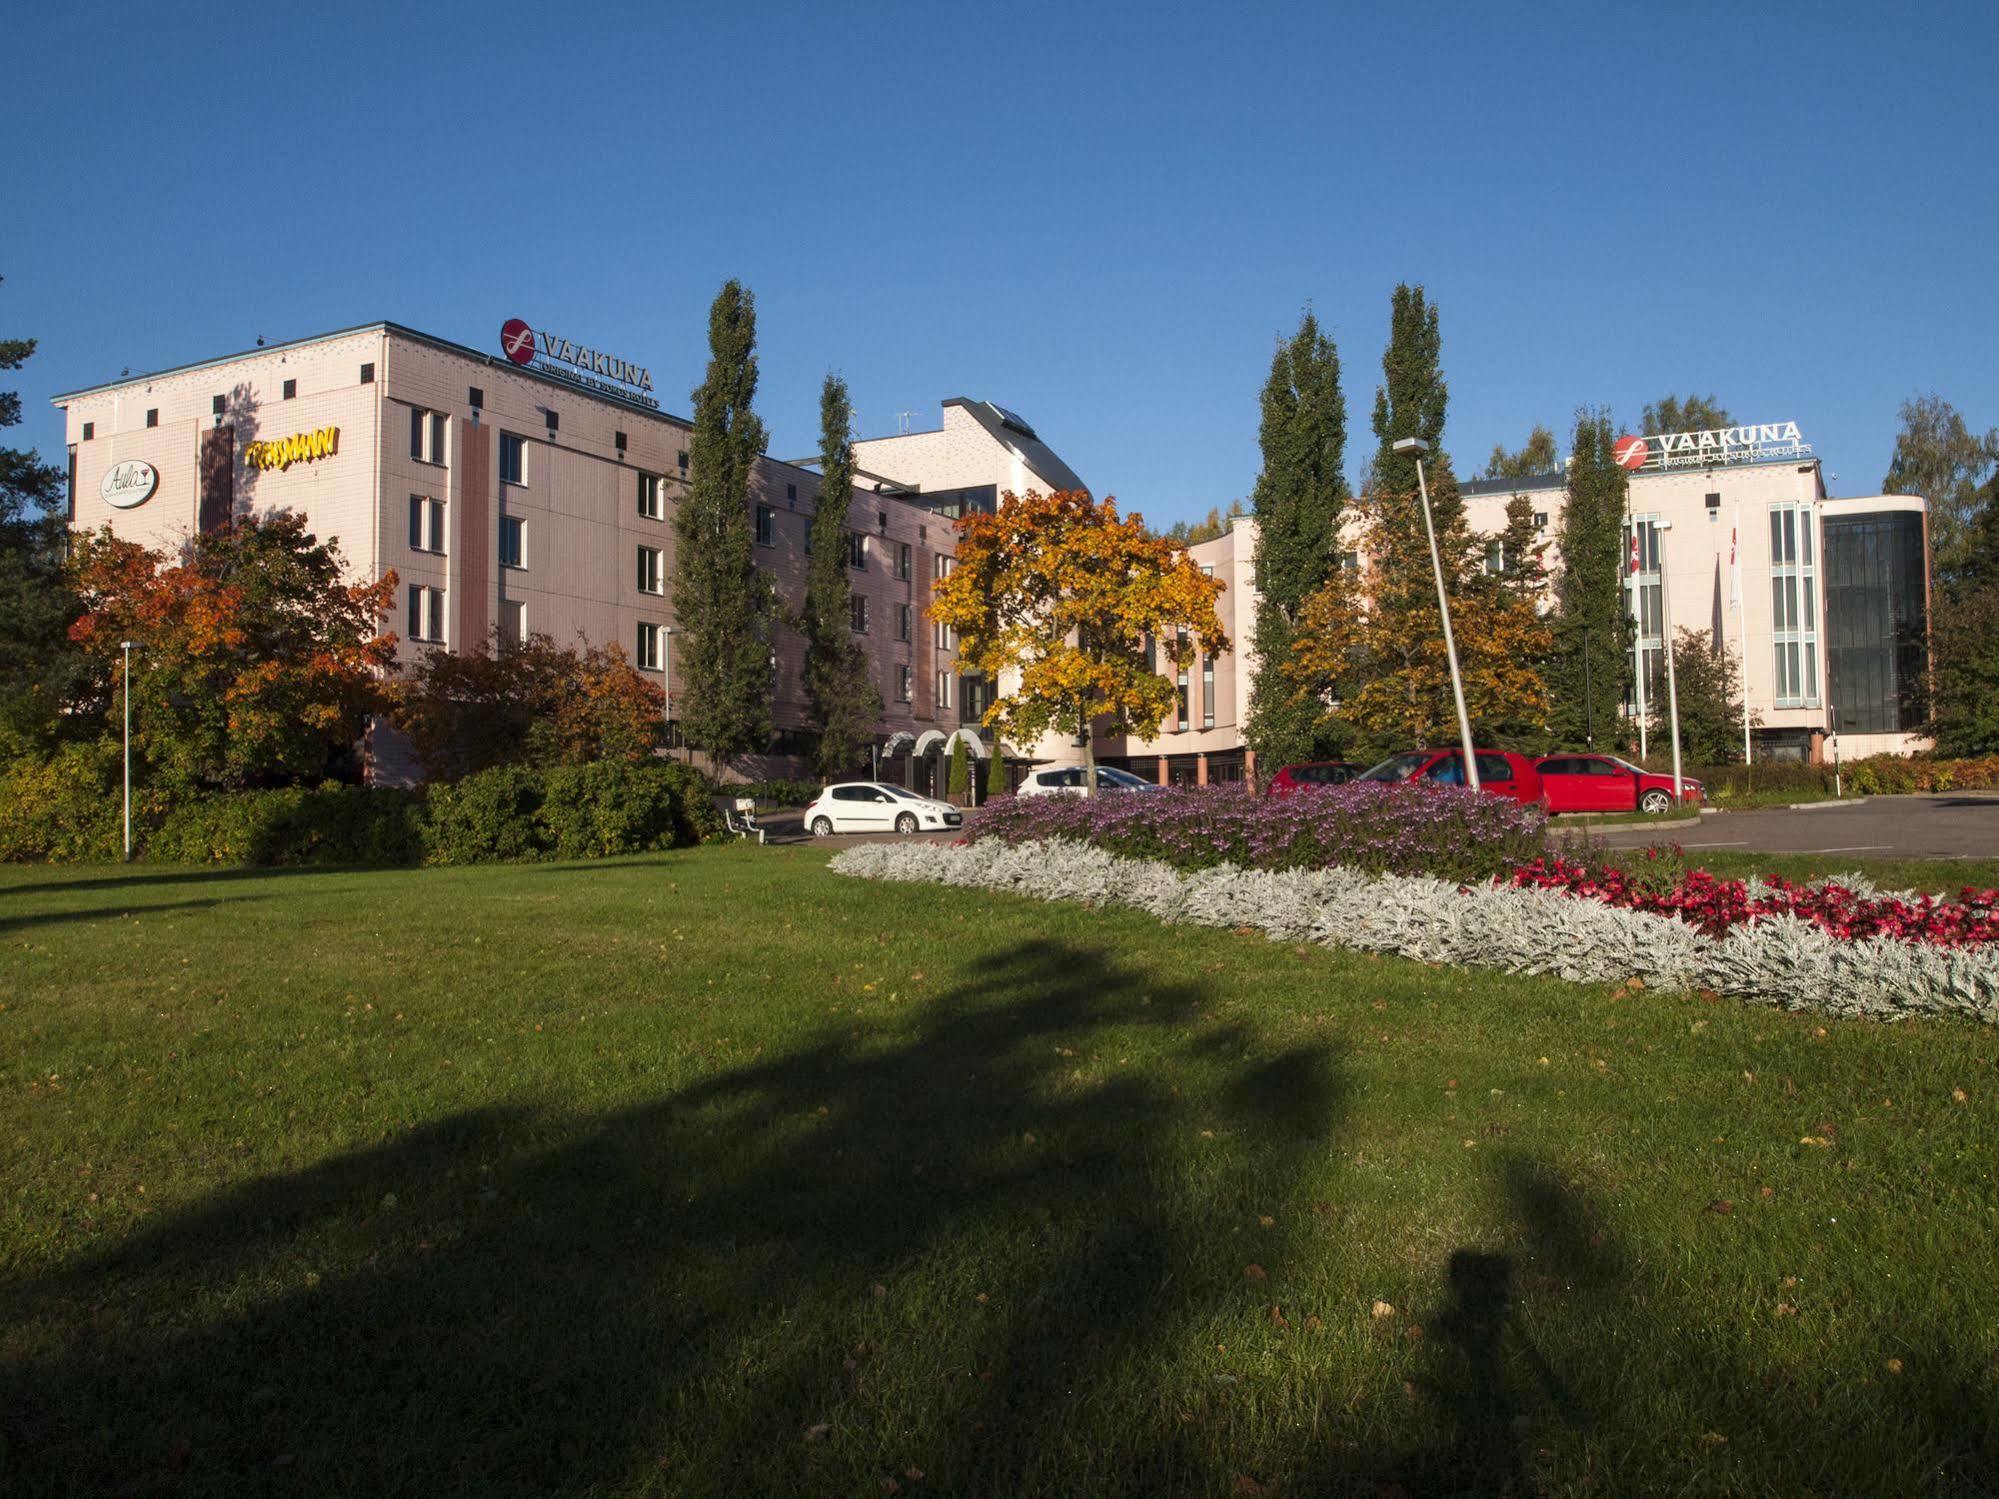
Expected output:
{"points": [[533, 489], [1823, 603]]}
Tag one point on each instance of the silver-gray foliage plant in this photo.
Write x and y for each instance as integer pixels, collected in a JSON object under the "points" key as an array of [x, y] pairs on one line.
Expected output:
{"points": [[1779, 960]]}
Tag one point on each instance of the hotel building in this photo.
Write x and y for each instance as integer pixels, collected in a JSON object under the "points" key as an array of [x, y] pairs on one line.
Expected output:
{"points": [[533, 489]]}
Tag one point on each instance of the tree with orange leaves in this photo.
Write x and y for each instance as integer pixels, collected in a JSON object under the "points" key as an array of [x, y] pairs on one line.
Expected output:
{"points": [[1058, 594], [257, 663]]}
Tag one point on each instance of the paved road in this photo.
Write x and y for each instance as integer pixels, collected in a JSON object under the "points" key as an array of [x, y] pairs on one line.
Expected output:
{"points": [[1958, 826]]}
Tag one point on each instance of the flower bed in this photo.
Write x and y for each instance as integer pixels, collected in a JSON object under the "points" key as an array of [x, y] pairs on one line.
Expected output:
{"points": [[1848, 911], [1449, 831], [1777, 958]]}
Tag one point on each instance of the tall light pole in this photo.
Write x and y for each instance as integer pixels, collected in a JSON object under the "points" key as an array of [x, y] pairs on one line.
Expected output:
{"points": [[666, 633], [127, 647], [1416, 447], [1672, 682]]}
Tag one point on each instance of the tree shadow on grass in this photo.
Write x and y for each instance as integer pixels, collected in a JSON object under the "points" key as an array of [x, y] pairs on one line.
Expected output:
{"points": [[21, 921], [943, 1246]]}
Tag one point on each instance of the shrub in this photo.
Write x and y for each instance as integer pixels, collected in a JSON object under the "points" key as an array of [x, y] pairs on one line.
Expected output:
{"points": [[597, 810], [778, 793], [1451, 832], [67, 808], [495, 814], [327, 824]]}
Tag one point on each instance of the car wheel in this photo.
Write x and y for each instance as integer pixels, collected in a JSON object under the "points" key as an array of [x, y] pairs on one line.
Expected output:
{"points": [[822, 827], [1654, 802], [906, 823]]}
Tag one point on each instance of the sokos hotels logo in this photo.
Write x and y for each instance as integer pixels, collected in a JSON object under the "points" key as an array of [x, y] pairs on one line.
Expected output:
{"points": [[517, 341], [1630, 452]]}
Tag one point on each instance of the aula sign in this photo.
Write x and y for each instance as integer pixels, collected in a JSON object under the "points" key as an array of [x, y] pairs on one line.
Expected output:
{"points": [[538, 348], [128, 484], [1751, 444]]}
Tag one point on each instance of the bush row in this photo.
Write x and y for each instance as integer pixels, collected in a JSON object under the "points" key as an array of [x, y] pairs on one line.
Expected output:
{"points": [[69, 809], [1376, 827], [1877, 775]]}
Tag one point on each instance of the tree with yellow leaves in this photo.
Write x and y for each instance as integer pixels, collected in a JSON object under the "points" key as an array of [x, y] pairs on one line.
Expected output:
{"points": [[1370, 648], [1059, 594]]}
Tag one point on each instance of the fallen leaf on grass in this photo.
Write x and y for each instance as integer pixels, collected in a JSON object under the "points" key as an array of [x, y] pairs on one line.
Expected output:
{"points": [[818, 1433], [1722, 1206], [1894, 1366], [1785, 1309], [1254, 1272], [1313, 1324], [1714, 1439], [1958, 1095], [1277, 1317], [1819, 1140], [1383, 1309], [1244, 1484], [1266, 1221]]}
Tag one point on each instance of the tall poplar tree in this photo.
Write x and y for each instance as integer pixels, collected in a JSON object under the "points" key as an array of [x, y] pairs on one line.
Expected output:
{"points": [[1410, 402], [723, 604], [1298, 503], [1590, 622], [843, 701]]}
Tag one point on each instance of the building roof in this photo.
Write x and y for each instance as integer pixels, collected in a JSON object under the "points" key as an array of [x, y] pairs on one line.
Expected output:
{"points": [[1526, 484]]}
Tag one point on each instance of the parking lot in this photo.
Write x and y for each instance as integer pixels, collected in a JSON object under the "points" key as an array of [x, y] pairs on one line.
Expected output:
{"points": [[1952, 826]]}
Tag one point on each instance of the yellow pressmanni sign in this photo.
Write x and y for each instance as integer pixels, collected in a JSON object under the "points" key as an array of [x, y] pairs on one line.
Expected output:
{"points": [[300, 447]]}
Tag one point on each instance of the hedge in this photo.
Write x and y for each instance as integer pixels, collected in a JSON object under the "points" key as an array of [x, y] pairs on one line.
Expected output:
{"points": [[1877, 775], [68, 809]]}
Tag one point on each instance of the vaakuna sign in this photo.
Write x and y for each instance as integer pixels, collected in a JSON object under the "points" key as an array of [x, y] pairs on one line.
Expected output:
{"points": [[1751, 444], [551, 353]]}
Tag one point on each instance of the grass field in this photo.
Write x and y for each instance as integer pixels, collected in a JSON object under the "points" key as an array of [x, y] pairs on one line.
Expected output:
{"points": [[715, 1173]]}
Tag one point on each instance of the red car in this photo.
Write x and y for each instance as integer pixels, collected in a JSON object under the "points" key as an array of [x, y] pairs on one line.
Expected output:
{"points": [[1604, 783], [1313, 773], [1500, 772]]}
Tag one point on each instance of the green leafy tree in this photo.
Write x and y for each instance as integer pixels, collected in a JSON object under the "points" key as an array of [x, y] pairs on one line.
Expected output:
{"points": [[1537, 457], [1938, 457], [1692, 414], [1214, 525], [1710, 691], [1523, 568], [722, 601], [960, 779], [996, 770], [1587, 674], [844, 705], [41, 673], [1411, 401], [1965, 637], [1299, 500]]}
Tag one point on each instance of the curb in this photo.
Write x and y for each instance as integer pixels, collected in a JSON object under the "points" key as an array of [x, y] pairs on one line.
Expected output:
{"points": [[1829, 806]]}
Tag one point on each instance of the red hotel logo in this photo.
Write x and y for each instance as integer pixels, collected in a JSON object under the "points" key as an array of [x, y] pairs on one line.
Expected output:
{"points": [[1630, 452], [517, 341]]}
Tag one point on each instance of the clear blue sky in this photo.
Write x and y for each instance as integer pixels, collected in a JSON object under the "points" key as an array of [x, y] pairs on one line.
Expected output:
{"points": [[1099, 216]]}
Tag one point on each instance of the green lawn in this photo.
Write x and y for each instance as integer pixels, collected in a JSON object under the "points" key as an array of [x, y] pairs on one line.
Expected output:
{"points": [[714, 1173]]}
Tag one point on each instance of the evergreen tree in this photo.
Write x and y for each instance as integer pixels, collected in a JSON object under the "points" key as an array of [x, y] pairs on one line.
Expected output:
{"points": [[1410, 402], [844, 705], [1710, 690], [1966, 640], [1589, 668], [1537, 457], [1298, 502], [996, 770], [960, 779], [40, 670], [723, 603], [1523, 569]]}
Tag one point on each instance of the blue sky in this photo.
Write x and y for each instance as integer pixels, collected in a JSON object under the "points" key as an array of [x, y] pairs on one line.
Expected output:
{"points": [[1101, 216]]}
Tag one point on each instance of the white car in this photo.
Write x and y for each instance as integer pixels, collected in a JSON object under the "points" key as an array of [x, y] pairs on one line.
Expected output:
{"points": [[876, 807], [1067, 780]]}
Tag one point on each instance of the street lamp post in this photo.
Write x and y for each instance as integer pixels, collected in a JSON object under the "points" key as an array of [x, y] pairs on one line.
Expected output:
{"points": [[1416, 447], [127, 647], [1672, 682], [1589, 696], [666, 668]]}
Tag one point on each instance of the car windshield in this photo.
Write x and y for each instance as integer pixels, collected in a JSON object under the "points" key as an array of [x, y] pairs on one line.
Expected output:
{"points": [[1396, 767], [1110, 775]]}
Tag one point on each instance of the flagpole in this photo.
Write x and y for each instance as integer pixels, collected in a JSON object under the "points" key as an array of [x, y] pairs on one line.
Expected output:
{"points": [[1638, 639], [1741, 619]]}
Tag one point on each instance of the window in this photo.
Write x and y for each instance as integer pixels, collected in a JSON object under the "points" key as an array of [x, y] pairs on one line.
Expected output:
{"points": [[513, 458], [1180, 687], [152, 416], [1646, 605], [904, 616], [1207, 569], [943, 689], [219, 405], [1207, 692], [554, 421], [619, 441], [791, 495], [903, 555], [89, 430], [1495, 557], [881, 521], [944, 566], [649, 646], [426, 614], [1794, 615], [1350, 562], [291, 389], [513, 541], [905, 683], [766, 525], [1493, 768], [651, 503], [1540, 520], [426, 435], [513, 621], [857, 612], [368, 373], [681, 459], [475, 397], [857, 549], [947, 638], [651, 574], [426, 524]]}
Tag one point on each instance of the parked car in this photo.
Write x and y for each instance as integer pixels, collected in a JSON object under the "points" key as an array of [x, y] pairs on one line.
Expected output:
{"points": [[1604, 783], [1291, 778], [1500, 772], [1067, 780], [876, 807]]}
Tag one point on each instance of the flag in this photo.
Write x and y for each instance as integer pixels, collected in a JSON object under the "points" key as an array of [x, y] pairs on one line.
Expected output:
{"points": [[1734, 573]]}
